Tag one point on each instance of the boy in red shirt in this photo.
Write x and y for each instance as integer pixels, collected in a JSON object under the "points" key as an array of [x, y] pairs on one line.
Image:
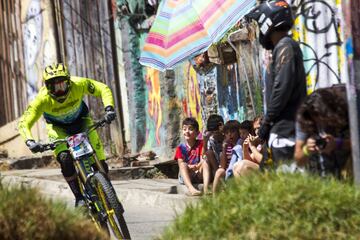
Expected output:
{"points": [[193, 168]]}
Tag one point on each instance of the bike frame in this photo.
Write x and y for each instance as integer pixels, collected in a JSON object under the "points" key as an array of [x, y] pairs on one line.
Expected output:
{"points": [[96, 201]]}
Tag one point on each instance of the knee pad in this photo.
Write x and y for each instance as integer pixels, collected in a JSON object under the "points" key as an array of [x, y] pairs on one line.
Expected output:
{"points": [[66, 163]]}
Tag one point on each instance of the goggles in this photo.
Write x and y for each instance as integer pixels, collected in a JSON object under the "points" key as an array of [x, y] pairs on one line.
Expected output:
{"points": [[58, 87]]}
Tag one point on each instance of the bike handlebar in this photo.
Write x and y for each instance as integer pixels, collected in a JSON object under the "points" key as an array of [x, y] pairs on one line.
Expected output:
{"points": [[52, 145]]}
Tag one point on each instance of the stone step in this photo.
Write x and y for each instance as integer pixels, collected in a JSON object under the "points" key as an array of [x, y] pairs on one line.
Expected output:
{"points": [[27, 162], [124, 173]]}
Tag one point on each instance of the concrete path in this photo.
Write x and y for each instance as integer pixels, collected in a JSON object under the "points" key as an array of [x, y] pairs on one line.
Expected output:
{"points": [[150, 204]]}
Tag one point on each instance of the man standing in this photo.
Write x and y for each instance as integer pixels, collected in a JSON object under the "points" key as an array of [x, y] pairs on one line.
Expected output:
{"points": [[285, 82]]}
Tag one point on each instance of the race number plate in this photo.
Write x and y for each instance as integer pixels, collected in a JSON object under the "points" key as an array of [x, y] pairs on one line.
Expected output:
{"points": [[79, 145]]}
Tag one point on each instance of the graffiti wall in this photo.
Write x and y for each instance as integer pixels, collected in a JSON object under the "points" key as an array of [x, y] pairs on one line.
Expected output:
{"points": [[234, 91], [319, 28], [173, 95], [169, 100], [348, 39], [39, 41], [191, 100], [39, 45], [154, 108], [326, 44], [230, 94]]}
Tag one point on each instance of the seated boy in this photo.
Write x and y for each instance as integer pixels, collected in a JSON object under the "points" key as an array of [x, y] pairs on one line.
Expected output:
{"points": [[231, 131], [245, 129], [193, 169], [213, 140]]}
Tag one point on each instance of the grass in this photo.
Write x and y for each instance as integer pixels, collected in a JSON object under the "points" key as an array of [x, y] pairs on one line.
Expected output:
{"points": [[273, 207], [25, 214]]}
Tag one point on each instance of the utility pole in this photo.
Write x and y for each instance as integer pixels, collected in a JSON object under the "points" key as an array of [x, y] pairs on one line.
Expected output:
{"points": [[353, 90]]}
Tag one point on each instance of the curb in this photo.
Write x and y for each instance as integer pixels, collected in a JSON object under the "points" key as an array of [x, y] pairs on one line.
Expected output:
{"points": [[26, 162], [36, 162], [150, 198]]}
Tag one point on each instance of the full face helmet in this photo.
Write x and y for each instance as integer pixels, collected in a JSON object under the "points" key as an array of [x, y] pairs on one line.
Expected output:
{"points": [[271, 16], [57, 81]]}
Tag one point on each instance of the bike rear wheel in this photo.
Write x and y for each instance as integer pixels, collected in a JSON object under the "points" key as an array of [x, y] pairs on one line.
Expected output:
{"points": [[112, 206]]}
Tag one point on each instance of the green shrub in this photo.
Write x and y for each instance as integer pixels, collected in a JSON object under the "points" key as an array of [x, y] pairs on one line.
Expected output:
{"points": [[25, 214], [273, 207]]}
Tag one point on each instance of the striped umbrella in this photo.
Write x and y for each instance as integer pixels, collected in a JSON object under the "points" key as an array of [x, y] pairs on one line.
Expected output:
{"points": [[185, 28]]}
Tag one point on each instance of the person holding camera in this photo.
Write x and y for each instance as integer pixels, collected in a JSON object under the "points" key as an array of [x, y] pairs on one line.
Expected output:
{"points": [[322, 133]]}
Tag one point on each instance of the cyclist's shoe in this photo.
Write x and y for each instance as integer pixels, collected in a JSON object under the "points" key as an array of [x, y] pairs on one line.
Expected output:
{"points": [[79, 202]]}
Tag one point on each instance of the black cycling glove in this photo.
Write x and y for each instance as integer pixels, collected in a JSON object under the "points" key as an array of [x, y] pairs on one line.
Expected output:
{"points": [[110, 114], [34, 146]]}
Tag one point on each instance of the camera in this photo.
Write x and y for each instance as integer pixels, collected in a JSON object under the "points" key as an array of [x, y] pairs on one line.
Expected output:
{"points": [[320, 142]]}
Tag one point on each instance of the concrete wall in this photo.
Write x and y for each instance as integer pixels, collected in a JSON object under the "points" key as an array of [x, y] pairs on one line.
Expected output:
{"points": [[11, 141]]}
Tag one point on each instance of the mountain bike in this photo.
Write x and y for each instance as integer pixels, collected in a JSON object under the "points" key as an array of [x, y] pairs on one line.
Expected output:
{"points": [[103, 206]]}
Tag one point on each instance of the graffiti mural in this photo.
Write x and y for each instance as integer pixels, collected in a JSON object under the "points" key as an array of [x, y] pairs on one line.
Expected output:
{"points": [[37, 41], [154, 109], [348, 40], [318, 29], [231, 105], [32, 35], [209, 93], [192, 102]]}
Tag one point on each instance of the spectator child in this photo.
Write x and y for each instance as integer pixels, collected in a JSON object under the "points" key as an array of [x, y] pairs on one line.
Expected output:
{"points": [[246, 128], [213, 140], [192, 168], [252, 151], [253, 155], [256, 124], [231, 131]]}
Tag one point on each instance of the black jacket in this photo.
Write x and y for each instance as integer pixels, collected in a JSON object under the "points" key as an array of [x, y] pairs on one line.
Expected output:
{"points": [[285, 87]]}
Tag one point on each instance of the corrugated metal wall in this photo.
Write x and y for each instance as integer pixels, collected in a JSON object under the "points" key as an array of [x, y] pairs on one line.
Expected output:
{"points": [[12, 77], [35, 33], [87, 43]]}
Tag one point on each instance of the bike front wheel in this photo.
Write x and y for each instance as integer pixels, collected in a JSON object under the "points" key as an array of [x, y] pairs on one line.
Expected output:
{"points": [[112, 206]]}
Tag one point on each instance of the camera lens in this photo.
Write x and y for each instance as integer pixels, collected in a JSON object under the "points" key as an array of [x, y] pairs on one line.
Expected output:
{"points": [[321, 142]]}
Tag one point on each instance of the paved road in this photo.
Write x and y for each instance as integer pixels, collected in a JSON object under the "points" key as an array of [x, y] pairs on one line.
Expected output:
{"points": [[144, 222], [148, 206]]}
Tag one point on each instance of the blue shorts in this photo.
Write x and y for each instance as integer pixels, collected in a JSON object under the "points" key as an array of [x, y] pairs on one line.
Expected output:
{"points": [[194, 178]]}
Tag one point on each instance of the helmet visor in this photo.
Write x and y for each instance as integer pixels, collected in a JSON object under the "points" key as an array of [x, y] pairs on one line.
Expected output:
{"points": [[58, 87]]}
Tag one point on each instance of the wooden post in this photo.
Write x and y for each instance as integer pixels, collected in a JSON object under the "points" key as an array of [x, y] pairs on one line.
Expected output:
{"points": [[353, 90]]}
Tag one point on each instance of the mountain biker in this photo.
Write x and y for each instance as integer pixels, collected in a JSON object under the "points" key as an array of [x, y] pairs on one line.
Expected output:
{"points": [[285, 78], [61, 103]]}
